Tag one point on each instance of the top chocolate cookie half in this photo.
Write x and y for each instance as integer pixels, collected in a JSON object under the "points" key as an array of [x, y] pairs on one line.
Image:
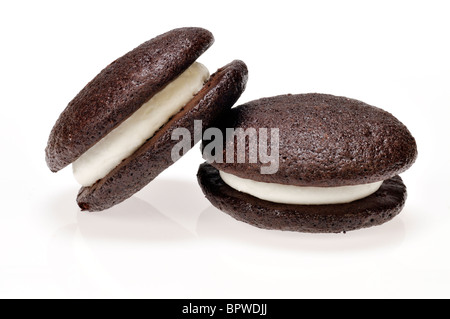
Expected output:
{"points": [[324, 141], [120, 89]]}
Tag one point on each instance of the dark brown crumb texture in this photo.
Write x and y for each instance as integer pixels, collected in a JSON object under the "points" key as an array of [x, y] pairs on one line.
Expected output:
{"points": [[218, 95], [374, 210], [120, 89], [325, 140]]}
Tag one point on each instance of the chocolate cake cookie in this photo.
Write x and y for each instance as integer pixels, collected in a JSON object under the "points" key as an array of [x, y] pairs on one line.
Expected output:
{"points": [[135, 172], [117, 131], [337, 166], [120, 89]]}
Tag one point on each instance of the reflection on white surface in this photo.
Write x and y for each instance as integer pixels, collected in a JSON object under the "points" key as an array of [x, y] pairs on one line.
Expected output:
{"points": [[119, 251], [133, 220], [215, 224], [132, 247], [305, 265], [153, 247], [180, 200]]}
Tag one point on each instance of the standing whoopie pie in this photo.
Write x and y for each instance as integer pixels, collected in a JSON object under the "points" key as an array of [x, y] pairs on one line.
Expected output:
{"points": [[117, 131], [339, 161]]}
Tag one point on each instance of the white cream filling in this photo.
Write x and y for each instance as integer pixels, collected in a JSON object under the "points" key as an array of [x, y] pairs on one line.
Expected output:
{"points": [[299, 195], [124, 140]]}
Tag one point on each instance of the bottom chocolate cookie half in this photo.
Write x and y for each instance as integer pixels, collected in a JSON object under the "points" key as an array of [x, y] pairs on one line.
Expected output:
{"points": [[216, 97], [374, 210]]}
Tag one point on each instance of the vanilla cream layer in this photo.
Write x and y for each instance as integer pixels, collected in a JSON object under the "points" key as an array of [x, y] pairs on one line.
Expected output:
{"points": [[299, 195], [124, 140]]}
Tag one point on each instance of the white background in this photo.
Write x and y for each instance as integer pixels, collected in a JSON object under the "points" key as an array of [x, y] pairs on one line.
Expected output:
{"points": [[168, 241]]}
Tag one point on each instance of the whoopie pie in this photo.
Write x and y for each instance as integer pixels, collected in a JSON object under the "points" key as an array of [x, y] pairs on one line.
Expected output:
{"points": [[338, 165], [117, 131]]}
